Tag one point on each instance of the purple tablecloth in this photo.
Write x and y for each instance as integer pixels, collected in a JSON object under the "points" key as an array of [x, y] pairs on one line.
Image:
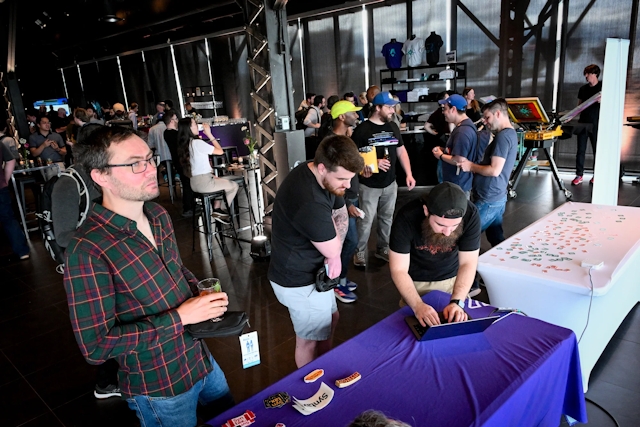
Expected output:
{"points": [[520, 371]]}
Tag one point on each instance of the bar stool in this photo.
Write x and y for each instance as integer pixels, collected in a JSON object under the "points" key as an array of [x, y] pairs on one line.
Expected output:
{"points": [[170, 179], [23, 181], [235, 206], [230, 153], [206, 208]]}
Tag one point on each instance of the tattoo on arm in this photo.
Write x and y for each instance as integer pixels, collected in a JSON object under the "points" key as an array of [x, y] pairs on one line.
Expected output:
{"points": [[341, 221]]}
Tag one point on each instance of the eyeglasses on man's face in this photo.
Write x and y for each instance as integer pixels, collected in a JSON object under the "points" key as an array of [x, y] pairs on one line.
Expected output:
{"points": [[140, 166]]}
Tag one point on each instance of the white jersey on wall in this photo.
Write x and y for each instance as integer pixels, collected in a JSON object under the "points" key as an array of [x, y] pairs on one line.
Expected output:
{"points": [[413, 50]]}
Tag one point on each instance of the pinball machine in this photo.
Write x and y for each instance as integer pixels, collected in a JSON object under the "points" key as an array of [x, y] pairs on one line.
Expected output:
{"points": [[539, 133]]}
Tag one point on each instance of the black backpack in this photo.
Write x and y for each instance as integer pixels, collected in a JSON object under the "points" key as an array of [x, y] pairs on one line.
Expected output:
{"points": [[300, 115], [43, 212]]}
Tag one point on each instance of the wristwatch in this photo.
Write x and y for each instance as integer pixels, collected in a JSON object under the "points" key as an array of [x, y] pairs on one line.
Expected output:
{"points": [[458, 302]]}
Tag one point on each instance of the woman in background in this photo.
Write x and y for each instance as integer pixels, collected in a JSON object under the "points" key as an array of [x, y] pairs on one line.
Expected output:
{"points": [[194, 157], [473, 107]]}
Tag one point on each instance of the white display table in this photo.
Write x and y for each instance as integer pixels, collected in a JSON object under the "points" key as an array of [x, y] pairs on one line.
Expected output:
{"points": [[538, 271]]}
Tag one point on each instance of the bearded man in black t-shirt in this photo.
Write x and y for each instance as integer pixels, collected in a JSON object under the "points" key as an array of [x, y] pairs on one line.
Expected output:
{"points": [[309, 224], [434, 245]]}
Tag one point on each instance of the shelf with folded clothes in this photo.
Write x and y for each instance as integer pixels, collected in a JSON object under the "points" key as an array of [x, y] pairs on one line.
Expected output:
{"points": [[389, 77]]}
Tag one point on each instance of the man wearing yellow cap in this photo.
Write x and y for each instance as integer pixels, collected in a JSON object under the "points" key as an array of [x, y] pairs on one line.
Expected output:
{"points": [[345, 117]]}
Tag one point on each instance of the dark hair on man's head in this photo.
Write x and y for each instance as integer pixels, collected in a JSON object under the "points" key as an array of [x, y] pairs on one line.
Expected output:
{"points": [[168, 103], [309, 95], [318, 100], [499, 104], [348, 95], [372, 418], [168, 116], [338, 150], [160, 102], [95, 154], [592, 69], [332, 100], [133, 106], [40, 117], [82, 115]]}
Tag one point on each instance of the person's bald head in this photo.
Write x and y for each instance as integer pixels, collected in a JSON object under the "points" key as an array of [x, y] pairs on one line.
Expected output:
{"points": [[372, 92]]}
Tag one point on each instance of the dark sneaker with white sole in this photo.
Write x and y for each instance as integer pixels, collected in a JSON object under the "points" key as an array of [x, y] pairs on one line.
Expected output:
{"points": [[221, 216], [111, 390], [383, 253]]}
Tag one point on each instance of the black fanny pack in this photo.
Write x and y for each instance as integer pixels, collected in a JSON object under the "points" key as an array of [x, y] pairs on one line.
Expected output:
{"points": [[232, 323], [323, 283]]}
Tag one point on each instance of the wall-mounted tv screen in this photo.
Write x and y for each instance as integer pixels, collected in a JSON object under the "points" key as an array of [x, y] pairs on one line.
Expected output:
{"points": [[55, 103]]}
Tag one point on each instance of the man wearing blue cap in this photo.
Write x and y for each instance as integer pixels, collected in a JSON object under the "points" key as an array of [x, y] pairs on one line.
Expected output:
{"points": [[462, 142], [378, 191]]}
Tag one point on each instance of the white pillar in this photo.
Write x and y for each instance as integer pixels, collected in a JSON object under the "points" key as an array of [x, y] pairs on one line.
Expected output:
{"points": [[607, 161]]}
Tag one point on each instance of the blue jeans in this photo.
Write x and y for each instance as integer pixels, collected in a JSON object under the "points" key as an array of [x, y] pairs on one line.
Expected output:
{"points": [[180, 410], [350, 242], [10, 225], [491, 219]]}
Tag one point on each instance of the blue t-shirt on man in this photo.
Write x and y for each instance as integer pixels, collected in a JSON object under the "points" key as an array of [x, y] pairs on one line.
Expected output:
{"points": [[494, 189], [462, 142]]}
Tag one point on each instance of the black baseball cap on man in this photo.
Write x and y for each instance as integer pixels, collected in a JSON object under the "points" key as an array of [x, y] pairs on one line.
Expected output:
{"points": [[446, 200]]}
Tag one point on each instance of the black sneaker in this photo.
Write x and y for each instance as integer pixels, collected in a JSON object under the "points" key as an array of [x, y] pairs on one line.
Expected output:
{"points": [[111, 390], [187, 214]]}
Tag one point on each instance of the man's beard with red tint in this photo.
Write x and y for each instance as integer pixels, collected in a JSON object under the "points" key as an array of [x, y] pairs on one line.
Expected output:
{"points": [[331, 189], [438, 242]]}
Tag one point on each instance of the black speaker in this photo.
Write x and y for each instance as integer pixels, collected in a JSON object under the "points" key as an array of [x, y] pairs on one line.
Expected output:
{"points": [[288, 152]]}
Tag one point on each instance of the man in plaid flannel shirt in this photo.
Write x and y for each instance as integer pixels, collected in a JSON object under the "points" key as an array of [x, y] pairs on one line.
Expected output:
{"points": [[129, 294]]}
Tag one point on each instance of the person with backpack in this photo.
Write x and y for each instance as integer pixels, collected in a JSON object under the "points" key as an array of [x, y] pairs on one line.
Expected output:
{"points": [[313, 121], [9, 141], [461, 144]]}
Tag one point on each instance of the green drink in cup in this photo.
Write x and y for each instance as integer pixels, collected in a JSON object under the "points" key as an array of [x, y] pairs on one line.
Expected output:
{"points": [[209, 286]]}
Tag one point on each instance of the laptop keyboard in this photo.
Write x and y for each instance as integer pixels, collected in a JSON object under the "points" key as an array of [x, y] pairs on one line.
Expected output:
{"points": [[422, 329]]}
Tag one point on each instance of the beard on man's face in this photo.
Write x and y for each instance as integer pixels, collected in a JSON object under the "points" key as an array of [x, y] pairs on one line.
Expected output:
{"points": [[331, 189], [438, 242]]}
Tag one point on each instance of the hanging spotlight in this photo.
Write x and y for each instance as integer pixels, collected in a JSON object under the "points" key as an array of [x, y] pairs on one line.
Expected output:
{"points": [[108, 14]]}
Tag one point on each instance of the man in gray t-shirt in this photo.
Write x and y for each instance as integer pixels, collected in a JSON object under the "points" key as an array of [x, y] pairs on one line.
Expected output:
{"points": [[492, 172], [48, 146]]}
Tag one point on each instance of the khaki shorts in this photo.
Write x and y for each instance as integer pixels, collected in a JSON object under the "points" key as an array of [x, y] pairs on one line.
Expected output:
{"points": [[310, 311], [426, 287]]}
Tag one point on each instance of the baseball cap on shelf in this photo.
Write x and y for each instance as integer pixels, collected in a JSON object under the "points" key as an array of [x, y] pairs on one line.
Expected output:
{"points": [[446, 200], [118, 107], [384, 98], [455, 100], [342, 107]]}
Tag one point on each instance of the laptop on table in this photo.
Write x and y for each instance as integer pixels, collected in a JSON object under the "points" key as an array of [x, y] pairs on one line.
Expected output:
{"points": [[446, 330]]}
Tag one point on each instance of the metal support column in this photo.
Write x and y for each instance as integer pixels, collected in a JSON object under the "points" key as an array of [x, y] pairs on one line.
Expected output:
{"points": [[9, 82], [512, 18], [270, 73]]}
